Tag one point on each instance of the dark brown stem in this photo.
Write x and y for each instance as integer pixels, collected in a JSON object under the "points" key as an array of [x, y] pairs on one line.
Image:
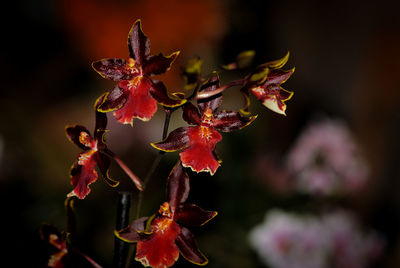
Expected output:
{"points": [[121, 249]]}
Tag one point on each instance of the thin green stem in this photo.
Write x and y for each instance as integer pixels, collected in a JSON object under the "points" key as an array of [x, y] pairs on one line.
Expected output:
{"points": [[155, 163]]}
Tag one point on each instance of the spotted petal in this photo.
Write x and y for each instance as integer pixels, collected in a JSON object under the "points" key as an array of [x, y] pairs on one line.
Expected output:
{"points": [[193, 215], [159, 250], [114, 69], [159, 92], [188, 248], [74, 135], [176, 140], [83, 173], [138, 43], [177, 187], [227, 121], [159, 64], [213, 102], [199, 156], [134, 232], [139, 104]]}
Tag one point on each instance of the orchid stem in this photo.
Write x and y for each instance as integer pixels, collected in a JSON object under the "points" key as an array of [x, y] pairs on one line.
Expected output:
{"points": [[121, 249], [155, 163]]}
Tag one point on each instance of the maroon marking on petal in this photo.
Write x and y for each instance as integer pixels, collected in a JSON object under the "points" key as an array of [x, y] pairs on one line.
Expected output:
{"points": [[159, 92], [191, 114], [199, 156], [103, 162], [177, 187], [74, 135], [83, 173], [278, 76], [134, 232], [159, 250], [114, 69], [140, 104], [159, 64], [176, 140], [113, 100], [192, 215], [188, 248], [138, 43], [227, 121], [213, 102]]}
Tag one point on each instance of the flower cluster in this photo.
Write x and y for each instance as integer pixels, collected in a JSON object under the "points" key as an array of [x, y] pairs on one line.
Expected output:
{"points": [[331, 240], [164, 236]]}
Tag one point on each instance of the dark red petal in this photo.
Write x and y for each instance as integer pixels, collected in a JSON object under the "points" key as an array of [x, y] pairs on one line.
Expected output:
{"points": [[227, 121], [138, 43], [140, 104], [192, 215], [199, 156], [273, 97], [114, 69], [159, 250], [103, 162], [176, 140], [159, 92], [188, 248], [213, 102], [113, 100], [278, 76], [73, 134], [83, 174], [52, 235], [134, 232], [159, 64], [246, 96], [177, 187], [191, 114]]}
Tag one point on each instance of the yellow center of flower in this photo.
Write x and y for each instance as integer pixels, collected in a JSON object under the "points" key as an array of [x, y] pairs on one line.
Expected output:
{"points": [[132, 67], [84, 157], [85, 139], [165, 210], [205, 133]]}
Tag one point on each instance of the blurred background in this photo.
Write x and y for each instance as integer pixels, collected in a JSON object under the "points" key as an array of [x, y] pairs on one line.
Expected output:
{"points": [[347, 68]]}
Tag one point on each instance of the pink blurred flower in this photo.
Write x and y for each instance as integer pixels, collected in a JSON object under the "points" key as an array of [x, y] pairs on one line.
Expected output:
{"points": [[325, 159]]}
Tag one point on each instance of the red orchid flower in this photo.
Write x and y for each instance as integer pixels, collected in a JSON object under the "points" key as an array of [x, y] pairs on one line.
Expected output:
{"points": [[95, 152], [136, 94], [162, 237], [198, 142], [65, 255], [265, 83]]}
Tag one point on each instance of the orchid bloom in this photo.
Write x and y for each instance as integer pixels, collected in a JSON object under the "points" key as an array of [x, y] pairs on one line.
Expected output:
{"points": [[162, 237], [198, 142], [136, 94], [95, 151], [265, 83]]}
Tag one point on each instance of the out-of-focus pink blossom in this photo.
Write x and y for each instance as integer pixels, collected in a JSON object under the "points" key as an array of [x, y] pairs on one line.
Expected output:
{"points": [[325, 159], [333, 240]]}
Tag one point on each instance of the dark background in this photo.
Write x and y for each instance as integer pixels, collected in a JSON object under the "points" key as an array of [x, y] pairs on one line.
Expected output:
{"points": [[346, 55]]}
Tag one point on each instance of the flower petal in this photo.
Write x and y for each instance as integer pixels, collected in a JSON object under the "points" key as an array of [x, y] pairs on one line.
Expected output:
{"points": [[74, 134], [192, 215], [114, 69], [191, 114], [101, 122], [159, 250], [191, 72], [213, 102], [133, 233], [273, 97], [199, 156], [276, 64], [188, 248], [159, 92], [246, 95], [177, 187], [113, 100], [140, 104], [159, 64], [83, 173], [138, 43], [176, 140], [227, 121], [278, 76], [103, 162]]}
